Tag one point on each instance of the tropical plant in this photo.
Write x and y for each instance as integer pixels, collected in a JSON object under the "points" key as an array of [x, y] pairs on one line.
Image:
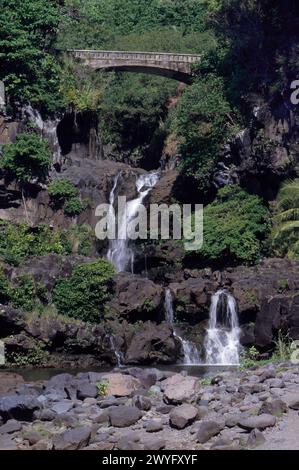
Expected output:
{"points": [[285, 233], [235, 227], [65, 194], [84, 294], [27, 158]]}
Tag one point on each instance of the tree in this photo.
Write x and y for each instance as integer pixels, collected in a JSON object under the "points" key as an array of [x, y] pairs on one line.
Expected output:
{"points": [[27, 31], [235, 227], [84, 294], [285, 233], [27, 158]]}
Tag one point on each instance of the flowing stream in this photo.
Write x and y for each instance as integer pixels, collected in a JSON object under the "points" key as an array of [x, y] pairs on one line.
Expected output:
{"points": [[191, 355], [120, 254], [222, 342]]}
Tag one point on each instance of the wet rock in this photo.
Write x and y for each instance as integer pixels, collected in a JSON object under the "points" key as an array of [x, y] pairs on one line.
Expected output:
{"points": [[75, 439], [208, 429], [124, 416], [136, 298], [182, 416], [262, 421], [153, 344]]}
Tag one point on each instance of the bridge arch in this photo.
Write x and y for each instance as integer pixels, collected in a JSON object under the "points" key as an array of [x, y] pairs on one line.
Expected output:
{"points": [[176, 66]]}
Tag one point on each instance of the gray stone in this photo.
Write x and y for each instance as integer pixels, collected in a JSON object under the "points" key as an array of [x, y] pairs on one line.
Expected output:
{"points": [[74, 439], [18, 407], [153, 425], [182, 416], [124, 416], [255, 438], [262, 421], [208, 429], [7, 443], [274, 407], [294, 405], [10, 427], [143, 403], [62, 407], [153, 443], [164, 409], [87, 391]]}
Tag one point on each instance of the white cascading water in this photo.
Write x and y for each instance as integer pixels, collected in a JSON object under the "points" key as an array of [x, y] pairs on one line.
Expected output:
{"points": [[222, 342], [120, 254], [118, 355], [191, 355]]}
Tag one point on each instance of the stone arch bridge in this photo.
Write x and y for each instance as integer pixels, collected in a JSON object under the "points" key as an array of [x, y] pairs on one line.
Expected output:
{"points": [[176, 66]]}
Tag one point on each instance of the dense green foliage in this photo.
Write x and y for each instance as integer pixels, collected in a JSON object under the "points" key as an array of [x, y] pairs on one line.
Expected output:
{"points": [[84, 293], [18, 242], [27, 31], [202, 124], [27, 158], [235, 227], [285, 233], [65, 194]]}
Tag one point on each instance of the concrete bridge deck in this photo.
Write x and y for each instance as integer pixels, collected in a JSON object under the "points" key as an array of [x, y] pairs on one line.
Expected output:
{"points": [[172, 65]]}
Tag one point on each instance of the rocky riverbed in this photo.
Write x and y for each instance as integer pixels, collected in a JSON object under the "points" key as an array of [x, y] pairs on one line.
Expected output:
{"points": [[135, 408]]}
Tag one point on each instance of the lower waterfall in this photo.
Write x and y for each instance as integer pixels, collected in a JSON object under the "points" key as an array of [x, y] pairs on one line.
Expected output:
{"points": [[222, 342], [120, 253], [191, 355]]}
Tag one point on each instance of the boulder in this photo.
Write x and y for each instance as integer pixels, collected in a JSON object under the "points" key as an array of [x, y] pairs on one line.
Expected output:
{"points": [[18, 407], [208, 429], [136, 298], [9, 382], [274, 407], [74, 439], [120, 385], [182, 416], [124, 416], [10, 427], [152, 343], [260, 422], [153, 425], [143, 403], [87, 391], [178, 389]]}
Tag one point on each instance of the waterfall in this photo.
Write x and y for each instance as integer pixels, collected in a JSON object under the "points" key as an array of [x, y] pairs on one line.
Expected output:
{"points": [[120, 254], [118, 354], [191, 355], [222, 342]]}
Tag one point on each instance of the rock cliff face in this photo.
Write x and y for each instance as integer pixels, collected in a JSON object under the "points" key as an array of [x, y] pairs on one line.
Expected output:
{"points": [[262, 155]]}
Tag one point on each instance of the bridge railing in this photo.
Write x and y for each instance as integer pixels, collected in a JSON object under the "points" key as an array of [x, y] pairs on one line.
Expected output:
{"points": [[142, 56]]}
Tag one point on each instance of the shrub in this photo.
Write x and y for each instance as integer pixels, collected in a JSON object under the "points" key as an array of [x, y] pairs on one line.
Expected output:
{"points": [[285, 233], [202, 125], [64, 194], [73, 206], [20, 241], [235, 227], [29, 157], [62, 189], [84, 293]]}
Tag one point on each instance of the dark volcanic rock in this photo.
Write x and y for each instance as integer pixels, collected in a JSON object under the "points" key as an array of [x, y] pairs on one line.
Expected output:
{"points": [[124, 416], [74, 439], [182, 416], [136, 298], [18, 407], [206, 430], [152, 343]]}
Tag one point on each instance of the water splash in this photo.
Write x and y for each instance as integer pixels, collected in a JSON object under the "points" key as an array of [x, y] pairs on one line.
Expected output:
{"points": [[222, 342], [120, 254], [190, 351]]}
